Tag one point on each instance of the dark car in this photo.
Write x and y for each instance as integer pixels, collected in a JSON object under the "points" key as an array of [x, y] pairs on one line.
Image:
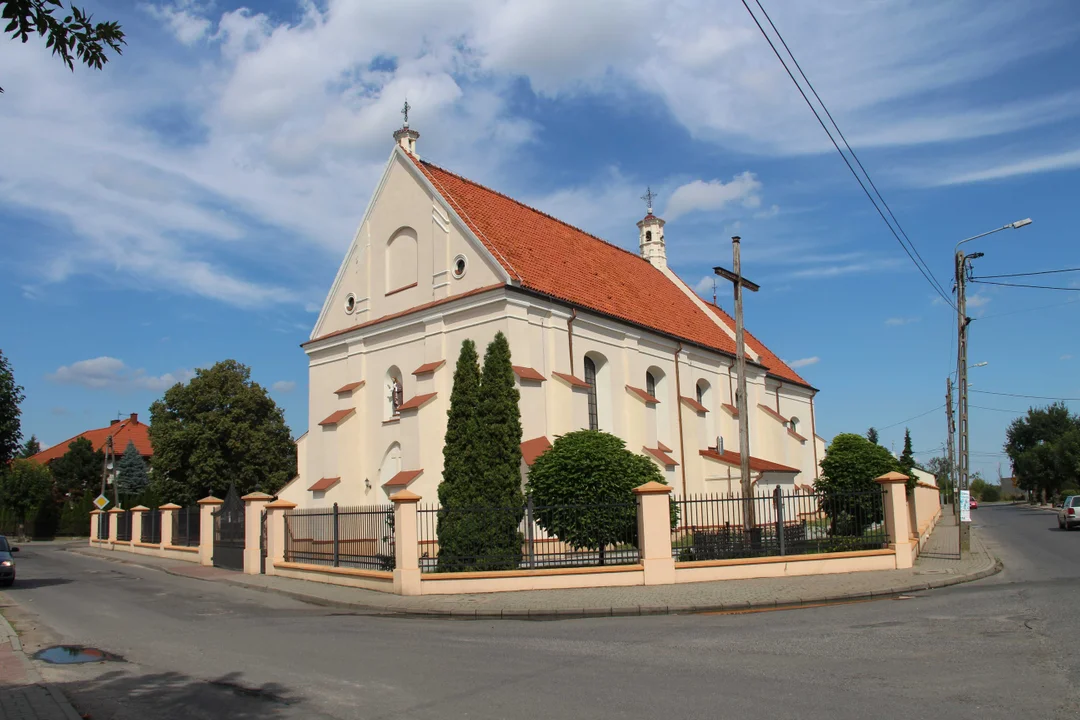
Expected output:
{"points": [[7, 562]]}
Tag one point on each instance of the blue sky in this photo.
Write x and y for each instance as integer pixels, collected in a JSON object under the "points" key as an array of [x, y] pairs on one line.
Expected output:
{"points": [[192, 201]]}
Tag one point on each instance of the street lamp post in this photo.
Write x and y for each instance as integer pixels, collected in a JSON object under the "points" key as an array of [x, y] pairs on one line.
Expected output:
{"points": [[962, 264]]}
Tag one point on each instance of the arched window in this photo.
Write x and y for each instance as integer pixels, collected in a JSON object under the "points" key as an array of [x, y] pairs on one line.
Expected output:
{"points": [[590, 377], [393, 394], [401, 260], [708, 426], [657, 426], [648, 235], [793, 424], [650, 384], [391, 464]]}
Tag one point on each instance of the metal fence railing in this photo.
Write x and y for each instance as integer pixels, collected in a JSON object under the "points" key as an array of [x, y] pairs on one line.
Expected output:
{"points": [[151, 527], [714, 527], [103, 526], [185, 532], [356, 537], [527, 537], [123, 525]]}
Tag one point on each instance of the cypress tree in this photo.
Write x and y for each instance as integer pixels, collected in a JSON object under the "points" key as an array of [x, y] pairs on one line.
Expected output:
{"points": [[457, 541], [907, 461]]}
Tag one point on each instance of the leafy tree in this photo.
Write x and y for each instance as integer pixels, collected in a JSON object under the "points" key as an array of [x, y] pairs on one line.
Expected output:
{"points": [[76, 31], [131, 475], [907, 461], [23, 488], [10, 427], [220, 428], [977, 485], [1043, 450], [872, 435], [939, 468], [78, 471], [849, 469], [587, 469], [30, 448]]}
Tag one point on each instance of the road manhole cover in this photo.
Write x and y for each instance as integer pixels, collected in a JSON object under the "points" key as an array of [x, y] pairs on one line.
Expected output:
{"points": [[72, 654]]}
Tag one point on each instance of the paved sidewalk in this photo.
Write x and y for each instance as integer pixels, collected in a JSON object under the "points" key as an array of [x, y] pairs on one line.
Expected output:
{"points": [[23, 694], [940, 566]]}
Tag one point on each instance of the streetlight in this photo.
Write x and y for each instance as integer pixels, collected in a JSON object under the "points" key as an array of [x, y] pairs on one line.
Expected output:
{"points": [[961, 267]]}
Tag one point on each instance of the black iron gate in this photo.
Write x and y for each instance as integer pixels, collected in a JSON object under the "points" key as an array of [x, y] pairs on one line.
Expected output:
{"points": [[262, 543], [229, 532]]}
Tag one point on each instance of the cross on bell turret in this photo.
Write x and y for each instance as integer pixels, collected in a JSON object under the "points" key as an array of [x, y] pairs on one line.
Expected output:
{"points": [[651, 234], [407, 137]]}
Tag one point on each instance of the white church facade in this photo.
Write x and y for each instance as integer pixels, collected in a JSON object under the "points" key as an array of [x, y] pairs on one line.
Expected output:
{"points": [[600, 338]]}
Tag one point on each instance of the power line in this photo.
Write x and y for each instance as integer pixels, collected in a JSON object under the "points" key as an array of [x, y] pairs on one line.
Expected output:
{"points": [[982, 407], [1017, 395], [1027, 274], [912, 418], [920, 264], [1023, 285], [1030, 309]]}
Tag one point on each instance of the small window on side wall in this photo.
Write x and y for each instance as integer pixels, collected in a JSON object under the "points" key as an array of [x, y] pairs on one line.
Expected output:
{"points": [[793, 424], [350, 304], [461, 264]]}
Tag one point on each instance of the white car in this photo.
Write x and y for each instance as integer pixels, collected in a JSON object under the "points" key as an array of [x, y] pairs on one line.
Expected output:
{"points": [[1069, 513]]}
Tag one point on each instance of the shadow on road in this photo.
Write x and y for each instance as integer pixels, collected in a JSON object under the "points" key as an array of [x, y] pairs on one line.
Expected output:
{"points": [[31, 583], [123, 694]]}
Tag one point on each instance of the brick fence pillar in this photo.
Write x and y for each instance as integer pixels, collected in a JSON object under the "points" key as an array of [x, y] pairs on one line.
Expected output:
{"points": [[207, 507], [114, 526], [138, 514], [406, 544], [275, 533], [897, 516], [95, 525], [654, 532], [254, 503], [168, 522]]}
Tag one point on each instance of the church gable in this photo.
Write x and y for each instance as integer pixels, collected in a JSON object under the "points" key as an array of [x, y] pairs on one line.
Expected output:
{"points": [[409, 250]]}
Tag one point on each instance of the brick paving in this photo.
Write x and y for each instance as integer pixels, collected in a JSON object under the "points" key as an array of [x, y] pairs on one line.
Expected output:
{"points": [[939, 566], [23, 694]]}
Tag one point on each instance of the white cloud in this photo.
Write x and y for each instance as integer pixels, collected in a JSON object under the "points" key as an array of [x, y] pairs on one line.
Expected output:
{"points": [[714, 195], [183, 19], [283, 386], [978, 300], [1066, 357], [844, 268], [895, 321], [1067, 160], [804, 362], [704, 286], [109, 373]]}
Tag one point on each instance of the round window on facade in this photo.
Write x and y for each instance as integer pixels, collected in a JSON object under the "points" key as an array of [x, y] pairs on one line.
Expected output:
{"points": [[350, 303], [460, 264]]}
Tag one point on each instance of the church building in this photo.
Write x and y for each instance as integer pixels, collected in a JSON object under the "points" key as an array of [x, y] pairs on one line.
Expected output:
{"points": [[600, 338]]}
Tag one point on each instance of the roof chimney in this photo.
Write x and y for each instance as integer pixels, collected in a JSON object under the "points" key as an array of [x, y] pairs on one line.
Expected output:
{"points": [[113, 422], [406, 137], [651, 234], [134, 417]]}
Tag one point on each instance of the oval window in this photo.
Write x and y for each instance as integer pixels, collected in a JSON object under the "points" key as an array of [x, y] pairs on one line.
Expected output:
{"points": [[460, 264], [350, 303]]}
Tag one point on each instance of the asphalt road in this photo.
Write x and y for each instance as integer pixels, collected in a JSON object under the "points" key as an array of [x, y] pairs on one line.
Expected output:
{"points": [[998, 648]]}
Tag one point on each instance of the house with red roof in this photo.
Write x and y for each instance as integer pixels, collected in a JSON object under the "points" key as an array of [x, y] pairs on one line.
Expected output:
{"points": [[600, 338], [119, 432]]}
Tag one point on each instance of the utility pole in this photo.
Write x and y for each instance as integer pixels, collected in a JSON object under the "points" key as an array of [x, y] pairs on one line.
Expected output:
{"points": [[962, 321], [740, 400], [951, 426]]}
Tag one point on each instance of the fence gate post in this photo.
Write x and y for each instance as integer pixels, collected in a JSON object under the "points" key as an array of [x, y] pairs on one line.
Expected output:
{"points": [[406, 546], [96, 516], [253, 510], [778, 498], [337, 536], [897, 518], [275, 533], [207, 507], [654, 533], [168, 522]]}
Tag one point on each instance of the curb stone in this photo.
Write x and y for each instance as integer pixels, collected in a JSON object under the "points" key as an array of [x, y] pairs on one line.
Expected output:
{"points": [[993, 567]]}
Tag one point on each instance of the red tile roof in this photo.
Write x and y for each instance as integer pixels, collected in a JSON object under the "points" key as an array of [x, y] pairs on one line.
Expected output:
{"points": [[527, 373], [429, 367], [772, 413], [731, 409], [775, 365], [663, 447], [553, 258], [756, 464], [644, 395], [571, 380], [349, 388], [323, 484], [122, 432], [338, 416], [403, 478], [416, 401], [796, 435], [660, 455], [693, 404], [532, 449]]}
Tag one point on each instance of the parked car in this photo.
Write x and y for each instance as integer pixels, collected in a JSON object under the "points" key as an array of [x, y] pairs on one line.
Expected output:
{"points": [[7, 562], [974, 504], [1069, 513]]}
